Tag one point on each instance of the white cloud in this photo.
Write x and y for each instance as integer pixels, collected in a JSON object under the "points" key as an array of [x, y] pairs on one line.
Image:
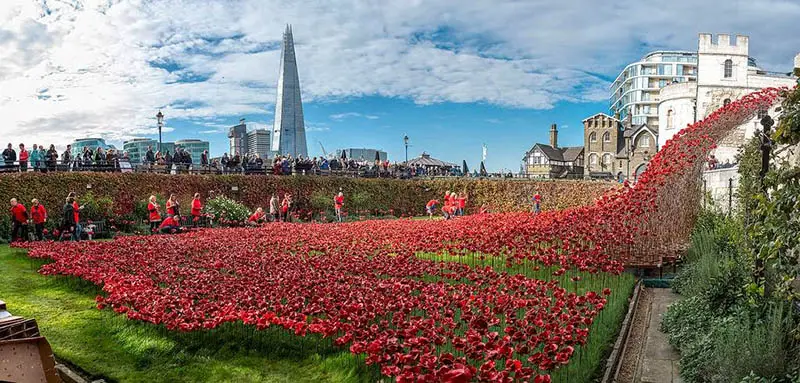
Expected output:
{"points": [[101, 67], [342, 116]]}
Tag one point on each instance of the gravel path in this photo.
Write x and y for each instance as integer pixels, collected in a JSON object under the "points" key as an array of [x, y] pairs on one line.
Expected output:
{"points": [[636, 339]]}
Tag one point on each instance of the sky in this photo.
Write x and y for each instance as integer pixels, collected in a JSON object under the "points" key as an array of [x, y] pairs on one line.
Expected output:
{"points": [[452, 75]]}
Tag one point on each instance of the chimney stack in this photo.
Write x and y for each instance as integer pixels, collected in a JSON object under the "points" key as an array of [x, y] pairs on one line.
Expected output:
{"points": [[554, 136]]}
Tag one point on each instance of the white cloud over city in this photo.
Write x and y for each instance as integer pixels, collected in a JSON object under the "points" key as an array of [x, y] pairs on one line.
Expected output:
{"points": [[102, 67]]}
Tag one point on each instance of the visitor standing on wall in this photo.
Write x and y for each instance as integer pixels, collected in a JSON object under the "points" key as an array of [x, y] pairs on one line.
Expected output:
{"points": [[39, 217], [197, 208], [36, 158], [19, 221], [154, 215], [23, 158], [338, 203], [9, 155]]}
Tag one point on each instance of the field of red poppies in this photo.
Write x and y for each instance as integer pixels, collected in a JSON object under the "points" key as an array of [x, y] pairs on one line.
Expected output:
{"points": [[390, 289]]}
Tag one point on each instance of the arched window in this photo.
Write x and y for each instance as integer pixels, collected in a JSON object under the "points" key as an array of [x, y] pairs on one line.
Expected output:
{"points": [[726, 101], [728, 72], [593, 159], [606, 159], [606, 137], [669, 119], [644, 141], [593, 137]]}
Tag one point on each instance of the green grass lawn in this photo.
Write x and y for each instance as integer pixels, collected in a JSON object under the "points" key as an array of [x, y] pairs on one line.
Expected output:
{"points": [[108, 345]]}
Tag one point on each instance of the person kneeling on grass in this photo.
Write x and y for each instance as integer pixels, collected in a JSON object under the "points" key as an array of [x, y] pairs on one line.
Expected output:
{"points": [[430, 207], [257, 218], [171, 225]]}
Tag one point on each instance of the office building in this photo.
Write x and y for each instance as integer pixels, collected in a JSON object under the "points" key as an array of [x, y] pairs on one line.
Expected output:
{"points": [[194, 147], [237, 136], [289, 132], [258, 142], [92, 143]]}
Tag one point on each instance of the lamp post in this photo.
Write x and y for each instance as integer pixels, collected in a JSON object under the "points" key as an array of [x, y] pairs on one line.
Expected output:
{"points": [[160, 118], [405, 141]]}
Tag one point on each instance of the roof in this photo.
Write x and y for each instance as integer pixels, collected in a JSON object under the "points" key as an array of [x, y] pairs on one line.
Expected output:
{"points": [[600, 114], [568, 154], [572, 153], [426, 160]]}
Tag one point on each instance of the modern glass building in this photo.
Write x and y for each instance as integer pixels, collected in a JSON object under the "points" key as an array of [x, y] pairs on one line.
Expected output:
{"points": [[637, 87], [137, 148], [91, 143], [194, 147]]}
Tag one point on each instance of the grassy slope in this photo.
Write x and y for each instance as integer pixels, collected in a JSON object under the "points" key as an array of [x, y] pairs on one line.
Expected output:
{"points": [[108, 345]]}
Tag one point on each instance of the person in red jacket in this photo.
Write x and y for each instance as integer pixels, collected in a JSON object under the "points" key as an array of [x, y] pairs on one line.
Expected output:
{"points": [[461, 204], [338, 203], [23, 158], [76, 209], [39, 217], [430, 207], [171, 225], [257, 218], [285, 206], [19, 221], [197, 207], [173, 205], [153, 214]]}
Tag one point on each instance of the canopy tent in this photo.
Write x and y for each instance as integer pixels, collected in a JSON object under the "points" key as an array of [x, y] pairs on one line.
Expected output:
{"points": [[427, 161]]}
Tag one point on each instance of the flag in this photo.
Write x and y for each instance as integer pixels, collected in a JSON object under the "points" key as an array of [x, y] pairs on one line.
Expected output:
{"points": [[484, 152]]}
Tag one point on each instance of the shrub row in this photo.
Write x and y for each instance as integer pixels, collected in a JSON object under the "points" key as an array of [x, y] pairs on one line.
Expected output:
{"points": [[310, 194]]}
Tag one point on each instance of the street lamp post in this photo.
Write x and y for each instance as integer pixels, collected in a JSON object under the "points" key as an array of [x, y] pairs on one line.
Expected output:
{"points": [[160, 118], [405, 141]]}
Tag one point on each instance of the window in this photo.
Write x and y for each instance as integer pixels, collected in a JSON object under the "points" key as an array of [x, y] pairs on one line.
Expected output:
{"points": [[593, 137], [606, 137], [728, 71], [726, 101], [593, 159], [662, 83], [761, 113], [606, 159], [669, 119], [644, 141], [679, 70], [665, 69]]}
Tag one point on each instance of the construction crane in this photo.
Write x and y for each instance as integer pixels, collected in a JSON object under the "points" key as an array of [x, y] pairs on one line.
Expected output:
{"points": [[323, 149]]}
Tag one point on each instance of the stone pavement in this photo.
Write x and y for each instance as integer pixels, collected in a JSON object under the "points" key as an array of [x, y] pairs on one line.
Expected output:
{"points": [[659, 362]]}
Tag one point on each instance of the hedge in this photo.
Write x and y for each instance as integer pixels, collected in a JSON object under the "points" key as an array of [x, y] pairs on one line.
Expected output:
{"points": [[310, 194]]}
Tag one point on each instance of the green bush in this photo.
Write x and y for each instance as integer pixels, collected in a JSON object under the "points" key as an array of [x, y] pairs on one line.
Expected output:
{"points": [[747, 343], [226, 210], [687, 321]]}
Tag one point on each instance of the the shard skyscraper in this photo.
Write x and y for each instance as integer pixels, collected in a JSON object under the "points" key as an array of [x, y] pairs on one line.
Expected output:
{"points": [[289, 132]]}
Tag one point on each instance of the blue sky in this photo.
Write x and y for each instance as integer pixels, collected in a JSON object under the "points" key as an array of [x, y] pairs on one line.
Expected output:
{"points": [[450, 75]]}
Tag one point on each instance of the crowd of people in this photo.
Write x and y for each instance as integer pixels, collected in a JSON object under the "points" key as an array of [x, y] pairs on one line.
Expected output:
{"points": [[713, 163], [29, 225]]}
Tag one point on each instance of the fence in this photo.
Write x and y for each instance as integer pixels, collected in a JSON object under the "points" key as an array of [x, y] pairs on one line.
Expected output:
{"points": [[126, 166]]}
